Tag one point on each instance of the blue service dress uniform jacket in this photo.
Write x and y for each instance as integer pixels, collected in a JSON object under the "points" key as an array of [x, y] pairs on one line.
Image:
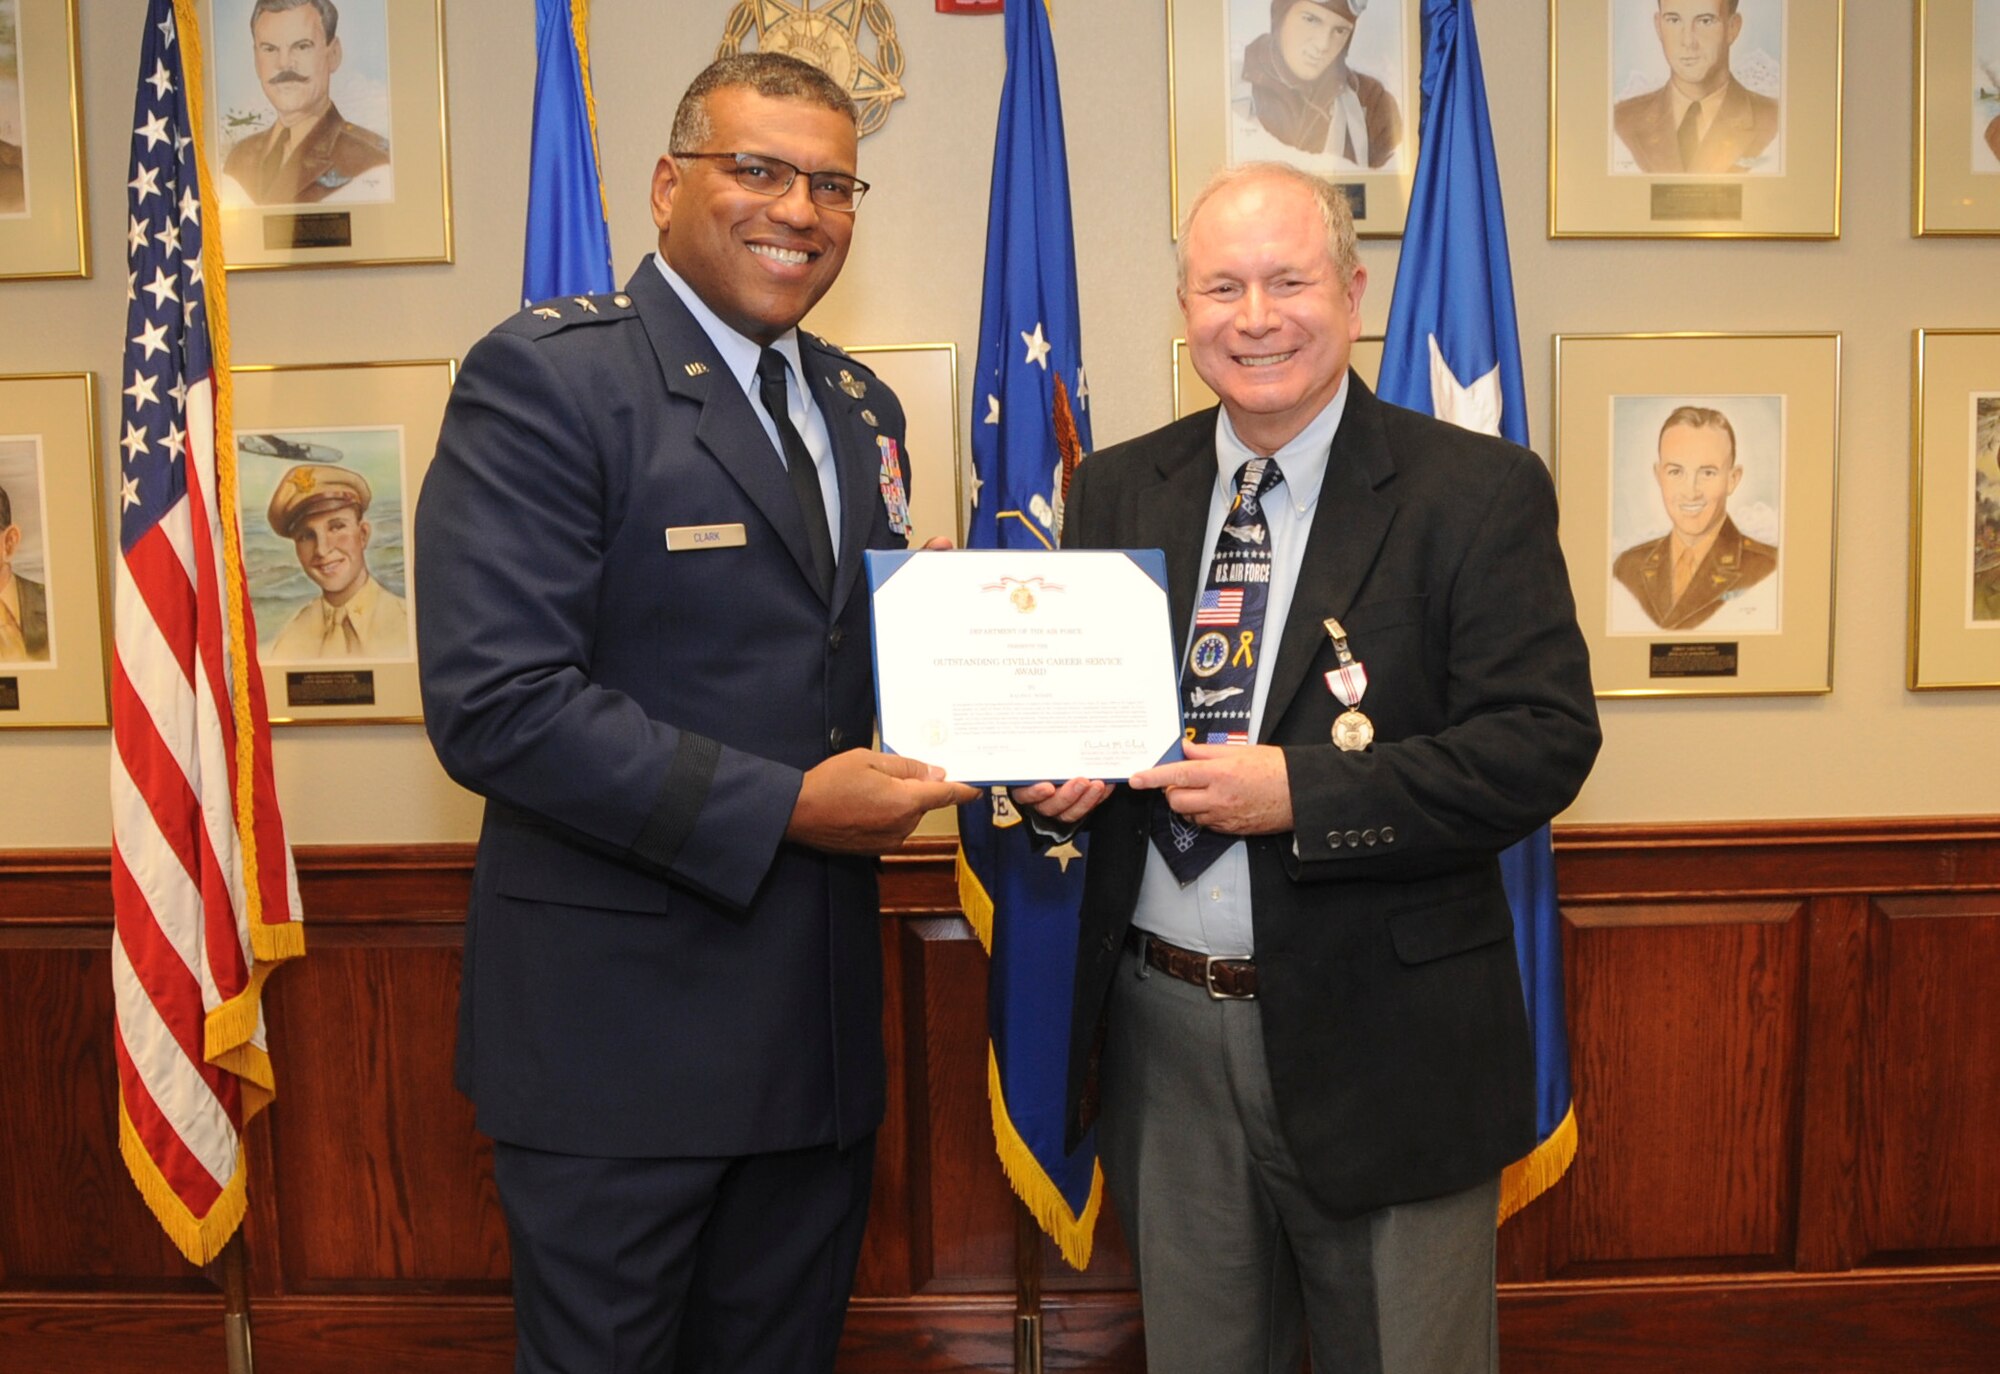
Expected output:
{"points": [[650, 969]]}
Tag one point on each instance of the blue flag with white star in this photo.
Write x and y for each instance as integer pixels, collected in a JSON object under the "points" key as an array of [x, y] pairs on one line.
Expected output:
{"points": [[1030, 427], [569, 244], [1453, 350]]}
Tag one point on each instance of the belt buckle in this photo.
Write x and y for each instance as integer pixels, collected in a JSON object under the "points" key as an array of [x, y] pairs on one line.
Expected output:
{"points": [[1208, 963]]}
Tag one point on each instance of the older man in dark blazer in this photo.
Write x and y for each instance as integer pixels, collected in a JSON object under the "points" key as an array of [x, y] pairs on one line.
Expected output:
{"points": [[643, 633], [1296, 953]]}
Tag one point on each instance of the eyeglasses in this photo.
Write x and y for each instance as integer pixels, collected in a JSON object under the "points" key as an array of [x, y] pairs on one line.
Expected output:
{"points": [[773, 176]]}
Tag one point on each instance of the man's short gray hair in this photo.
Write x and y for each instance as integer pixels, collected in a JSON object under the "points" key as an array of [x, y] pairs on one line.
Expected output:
{"points": [[1702, 417], [329, 16], [769, 74], [1327, 198]]}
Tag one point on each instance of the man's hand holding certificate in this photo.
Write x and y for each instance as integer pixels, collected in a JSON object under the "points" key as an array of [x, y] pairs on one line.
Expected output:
{"points": [[1001, 665]]}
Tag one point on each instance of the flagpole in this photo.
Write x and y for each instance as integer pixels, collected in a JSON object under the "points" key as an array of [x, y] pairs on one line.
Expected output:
{"points": [[234, 1263], [1027, 1290]]}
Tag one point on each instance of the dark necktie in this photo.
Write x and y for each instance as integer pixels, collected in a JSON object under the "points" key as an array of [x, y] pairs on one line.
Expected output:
{"points": [[1219, 679], [1690, 136], [798, 464]]}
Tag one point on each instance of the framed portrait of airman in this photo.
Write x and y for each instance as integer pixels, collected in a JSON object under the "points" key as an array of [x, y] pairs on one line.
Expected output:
{"points": [[1697, 474], [326, 129], [1191, 393], [1327, 85], [329, 461], [1958, 117], [1695, 118], [53, 622], [42, 215], [1955, 511]]}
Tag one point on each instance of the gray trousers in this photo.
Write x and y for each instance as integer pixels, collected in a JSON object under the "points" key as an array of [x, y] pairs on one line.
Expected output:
{"points": [[1236, 1260]]}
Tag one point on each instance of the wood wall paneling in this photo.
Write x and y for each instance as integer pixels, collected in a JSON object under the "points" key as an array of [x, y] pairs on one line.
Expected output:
{"points": [[1930, 1136], [1685, 1089], [1785, 1052]]}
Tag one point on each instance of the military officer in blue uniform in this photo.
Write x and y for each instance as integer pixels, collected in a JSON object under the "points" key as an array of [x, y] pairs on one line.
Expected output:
{"points": [[644, 639]]}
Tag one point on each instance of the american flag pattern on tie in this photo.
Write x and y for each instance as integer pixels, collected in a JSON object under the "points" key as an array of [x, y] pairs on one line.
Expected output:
{"points": [[1218, 607], [1219, 678], [202, 881]]}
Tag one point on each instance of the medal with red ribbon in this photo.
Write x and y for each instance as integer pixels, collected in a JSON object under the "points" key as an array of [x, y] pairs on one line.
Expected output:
{"points": [[1348, 682]]}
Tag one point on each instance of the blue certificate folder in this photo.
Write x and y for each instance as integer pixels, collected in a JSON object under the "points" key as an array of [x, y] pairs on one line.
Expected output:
{"points": [[882, 565]]}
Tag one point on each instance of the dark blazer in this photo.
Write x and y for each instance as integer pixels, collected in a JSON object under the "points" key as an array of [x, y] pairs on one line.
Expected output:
{"points": [[1743, 128], [650, 969], [1394, 1025], [1734, 563]]}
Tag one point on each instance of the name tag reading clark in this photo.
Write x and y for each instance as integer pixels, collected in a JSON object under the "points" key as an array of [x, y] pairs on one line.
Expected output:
{"points": [[681, 538]]}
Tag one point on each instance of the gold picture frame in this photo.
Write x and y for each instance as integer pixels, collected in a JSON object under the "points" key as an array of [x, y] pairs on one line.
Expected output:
{"points": [[1954, 639], [54, 617], [367, 186], [1212, 119], [1698, 475], [1764, 162], [307, 431], [1957, 189], [44, 225], [1191, 393], [924, 377]]}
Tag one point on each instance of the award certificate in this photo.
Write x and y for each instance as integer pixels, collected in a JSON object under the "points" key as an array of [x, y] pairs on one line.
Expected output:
{"points": [[1007, 665]]}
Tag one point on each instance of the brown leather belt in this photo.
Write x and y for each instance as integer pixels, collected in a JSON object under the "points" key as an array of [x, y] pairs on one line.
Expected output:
{"points": [[1221, 978]]}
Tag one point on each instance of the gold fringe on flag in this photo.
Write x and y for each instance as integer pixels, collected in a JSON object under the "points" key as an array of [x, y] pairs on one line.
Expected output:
{"points": [[199, 1238], [1071, 1232], [579, 22], [1528, 1177]]}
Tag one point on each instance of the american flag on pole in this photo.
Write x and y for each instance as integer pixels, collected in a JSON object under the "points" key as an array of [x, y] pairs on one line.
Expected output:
{"points": [[202, 882]]}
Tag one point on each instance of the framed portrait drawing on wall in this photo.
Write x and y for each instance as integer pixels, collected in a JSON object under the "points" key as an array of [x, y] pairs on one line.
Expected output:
{"points": [[326, 130], [1191, 393], [1955, 511], [52, 612], [1697, 479], [42, 216], [329, 461], [1958, 117], [925, 379], [1694, 118], [1327, 85]]}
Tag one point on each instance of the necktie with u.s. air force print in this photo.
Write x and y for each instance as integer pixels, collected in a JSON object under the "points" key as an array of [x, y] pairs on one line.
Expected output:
{"points": [[1219, 678]]}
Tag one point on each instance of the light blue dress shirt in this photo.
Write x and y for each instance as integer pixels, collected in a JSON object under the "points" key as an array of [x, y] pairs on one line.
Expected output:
{"points": [[739, 355], [1212, 914]]}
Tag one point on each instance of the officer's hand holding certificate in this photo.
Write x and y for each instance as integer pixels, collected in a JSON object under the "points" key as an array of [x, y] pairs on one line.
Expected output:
{"points": [[1004, 665]]}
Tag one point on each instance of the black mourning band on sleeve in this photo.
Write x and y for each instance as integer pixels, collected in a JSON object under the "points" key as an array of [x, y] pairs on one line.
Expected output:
{"points": [[681, 798]]}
